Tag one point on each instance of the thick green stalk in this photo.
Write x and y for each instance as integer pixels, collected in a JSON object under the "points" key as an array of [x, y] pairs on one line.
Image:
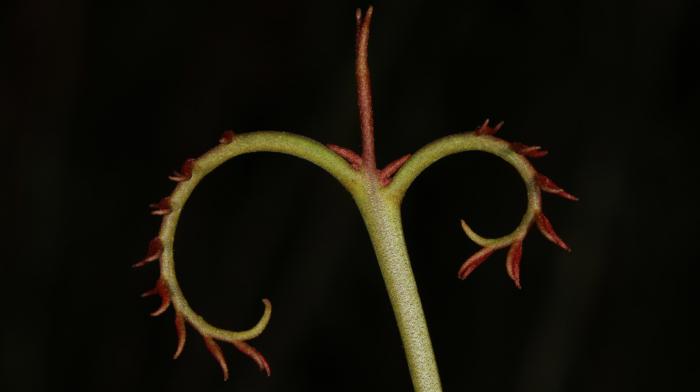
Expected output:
{"points": [[382, 215]]}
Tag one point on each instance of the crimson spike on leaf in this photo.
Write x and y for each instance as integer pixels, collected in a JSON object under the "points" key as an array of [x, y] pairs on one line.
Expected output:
{"points": [[548, 185], [546, 228], [163, 207], [215, 350], [486, 129], [181, 333], [513, 262], [349, 155], [162, 290], [155, 249], [474, 261], [388, 171], [185, 172], [254, 354], [227, 137], [528, 151]]}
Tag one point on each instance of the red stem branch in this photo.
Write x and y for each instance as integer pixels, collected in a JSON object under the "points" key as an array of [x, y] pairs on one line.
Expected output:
{"points": [[364, 91]]}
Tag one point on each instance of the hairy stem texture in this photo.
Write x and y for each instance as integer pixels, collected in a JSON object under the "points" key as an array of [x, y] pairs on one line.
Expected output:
{"points": [[382, 217]]}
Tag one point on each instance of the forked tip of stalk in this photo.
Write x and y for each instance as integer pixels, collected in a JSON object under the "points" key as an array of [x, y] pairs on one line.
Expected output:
{"points": [[367, 16]]}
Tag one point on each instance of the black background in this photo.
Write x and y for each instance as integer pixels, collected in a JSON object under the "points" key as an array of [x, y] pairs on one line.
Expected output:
{"points": [[100, 101]]}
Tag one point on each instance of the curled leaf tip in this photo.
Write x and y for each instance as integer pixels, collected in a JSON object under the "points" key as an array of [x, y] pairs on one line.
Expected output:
{"points": [[528, 151], [473, 235], [474, 261], [163, 207], [185, 172], [546, 228], [181, 330], [513, 262], [486, 129], [227, 137], [549, 186], [264, 319], [254, 354], [155, 250], [215, 351]]}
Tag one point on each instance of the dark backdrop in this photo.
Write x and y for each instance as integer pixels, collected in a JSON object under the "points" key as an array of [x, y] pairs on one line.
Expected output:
{"points": [[100, 101]]}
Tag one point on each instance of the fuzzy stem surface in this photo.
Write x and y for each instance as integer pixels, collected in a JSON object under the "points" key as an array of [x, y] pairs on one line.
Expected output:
{"points": [[382, 216]]}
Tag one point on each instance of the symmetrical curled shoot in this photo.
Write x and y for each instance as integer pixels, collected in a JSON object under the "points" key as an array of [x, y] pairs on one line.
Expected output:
{"points": [[378, 194]]}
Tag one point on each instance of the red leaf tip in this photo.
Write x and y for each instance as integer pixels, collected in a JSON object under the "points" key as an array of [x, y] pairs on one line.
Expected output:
{"points": [[181, 334], [243, 347], [227, 137], [528, 151], [549, 186], [486, 129], [349, 155], [254, 354], [185, 172], [391, 169], [474, 261], [163, 207], [513, 262], [215, 351], [155, 250], [546, 228], [162, 290]]}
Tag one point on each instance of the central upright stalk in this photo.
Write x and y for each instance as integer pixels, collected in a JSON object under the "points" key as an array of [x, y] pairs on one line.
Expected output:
{"points": [[364, 90], [382, 215]]}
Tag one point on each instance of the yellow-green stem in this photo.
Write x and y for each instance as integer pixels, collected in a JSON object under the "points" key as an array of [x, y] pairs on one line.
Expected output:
{"points": [[382, 216]]}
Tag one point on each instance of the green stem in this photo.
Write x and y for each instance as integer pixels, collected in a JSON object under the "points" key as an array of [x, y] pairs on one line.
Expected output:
{"points": [[381, 210], [261, 141], [382, 216]]}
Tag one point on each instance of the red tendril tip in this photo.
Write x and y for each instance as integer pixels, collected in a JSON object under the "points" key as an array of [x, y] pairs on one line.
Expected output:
{"points": [[474, 261], [486, 129], [513, 262], [163, 207], [546, 228], [227, 137], [215, 351], [185, 172], [162, 290], [549, 186], [254, 354], [528, 151], [181, 330], [155, 250]]}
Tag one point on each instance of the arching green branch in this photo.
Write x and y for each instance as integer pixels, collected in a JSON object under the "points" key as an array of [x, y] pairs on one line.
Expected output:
{"points": [[192, 172], [516, 155], [263, 141], [463, 142]]}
